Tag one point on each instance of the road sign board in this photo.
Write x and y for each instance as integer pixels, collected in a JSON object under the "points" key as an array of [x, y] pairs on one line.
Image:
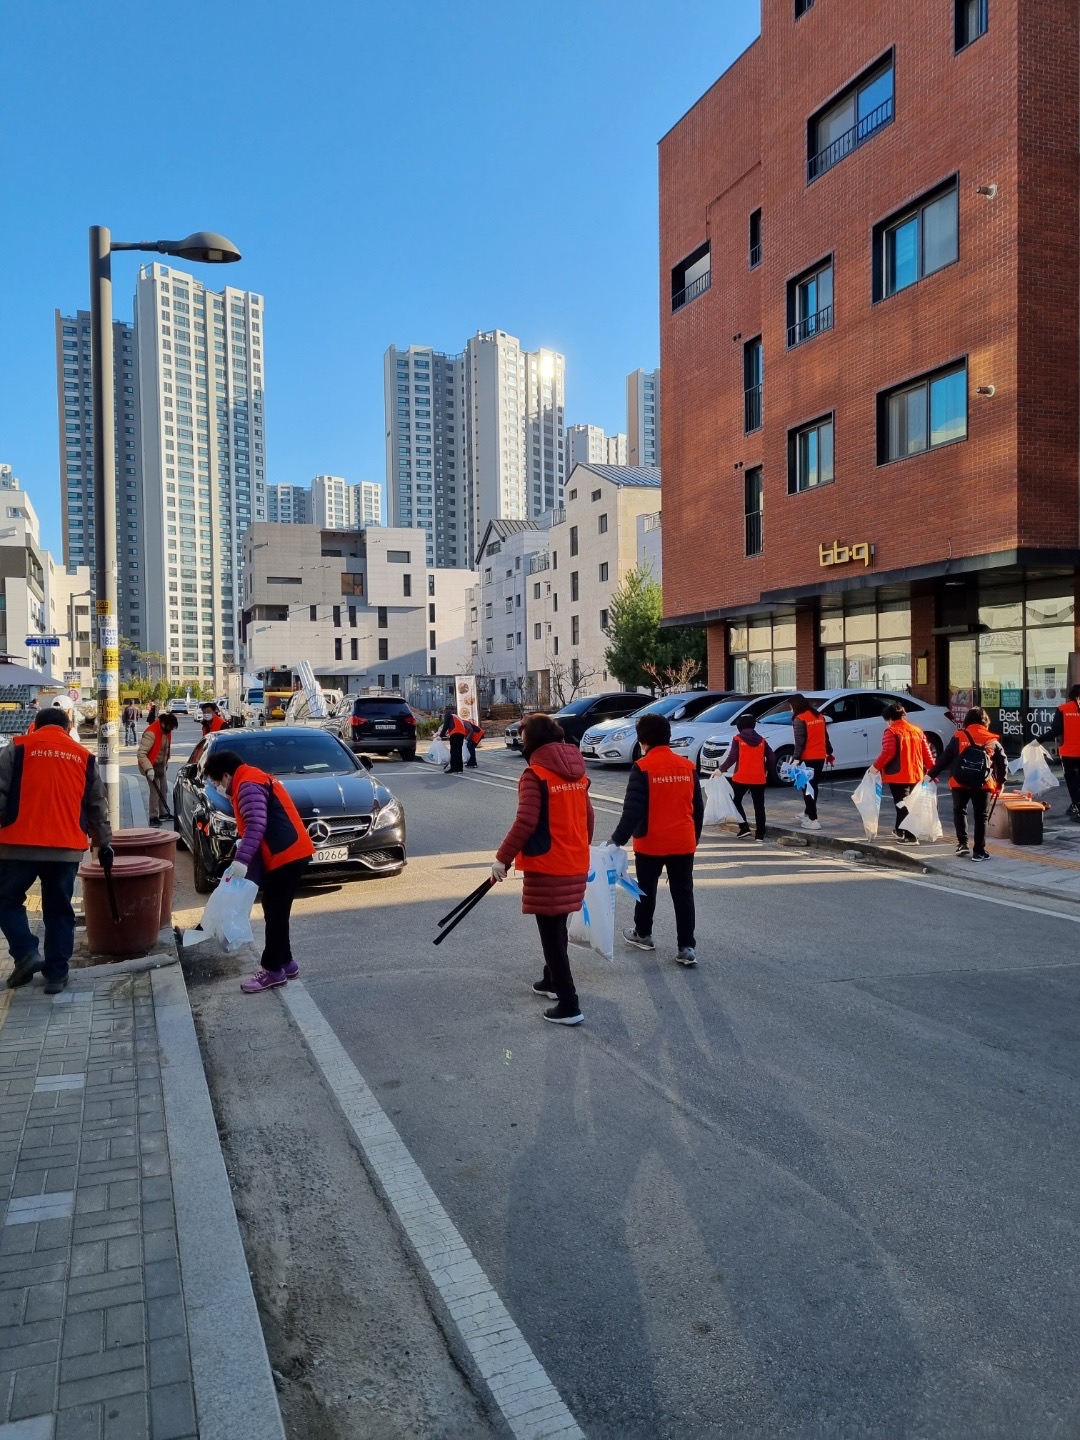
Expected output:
{"points": [[34, 640]]}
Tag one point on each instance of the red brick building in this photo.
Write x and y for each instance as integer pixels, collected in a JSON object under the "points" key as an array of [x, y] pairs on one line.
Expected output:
{"points": [[870, 353]]}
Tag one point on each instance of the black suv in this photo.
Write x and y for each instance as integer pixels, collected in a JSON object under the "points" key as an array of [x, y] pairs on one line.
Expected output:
{"points": [[588, 710], [375, 725]]}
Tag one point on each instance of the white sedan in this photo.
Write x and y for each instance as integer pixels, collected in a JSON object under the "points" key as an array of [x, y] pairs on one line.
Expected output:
{"points": [[856, 722], [614, 742]]}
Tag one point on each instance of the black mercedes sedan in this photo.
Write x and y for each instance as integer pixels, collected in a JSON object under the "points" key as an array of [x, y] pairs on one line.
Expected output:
{"points": [[356, 823]]}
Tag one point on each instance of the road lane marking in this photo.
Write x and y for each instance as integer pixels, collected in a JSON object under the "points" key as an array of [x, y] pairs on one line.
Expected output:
{"points": [[518, 1383], [987, 899]]}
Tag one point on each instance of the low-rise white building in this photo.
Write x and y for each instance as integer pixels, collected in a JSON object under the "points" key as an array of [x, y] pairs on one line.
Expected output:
{"points": [[359, 605], [499, 647], [592, 547]]}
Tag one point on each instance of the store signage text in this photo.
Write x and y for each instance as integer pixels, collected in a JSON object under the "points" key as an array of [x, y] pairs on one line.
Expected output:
{"points": [[837, 554]]}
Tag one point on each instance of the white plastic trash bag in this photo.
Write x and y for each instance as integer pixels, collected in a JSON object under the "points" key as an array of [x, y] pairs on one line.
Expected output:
{"points": [[922, 819], [720, 801], [1038, 777], [867, 800], [439, 754], [594, 923], [799, 775], [227, 917]]}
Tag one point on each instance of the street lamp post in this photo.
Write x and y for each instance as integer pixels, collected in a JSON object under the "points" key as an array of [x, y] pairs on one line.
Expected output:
{"points": [[202, 246]]}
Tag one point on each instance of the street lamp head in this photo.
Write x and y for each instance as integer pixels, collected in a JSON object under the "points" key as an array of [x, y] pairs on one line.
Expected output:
{"points": [[204, 246]]}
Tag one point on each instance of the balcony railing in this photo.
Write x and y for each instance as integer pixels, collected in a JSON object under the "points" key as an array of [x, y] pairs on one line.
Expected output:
{"points": [[538, 563], [558, 517], [755, 256], [810, 326], [651, 522], [849, 141], [691, 291], [752, 408], [755, 543]]}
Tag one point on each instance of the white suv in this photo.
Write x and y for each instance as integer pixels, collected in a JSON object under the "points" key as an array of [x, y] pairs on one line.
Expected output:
{"points": [[856, 722], [614, 742]]}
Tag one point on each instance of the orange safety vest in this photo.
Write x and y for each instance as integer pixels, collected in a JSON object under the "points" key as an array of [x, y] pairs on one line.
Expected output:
{"points": [[815, 736], [159, 739], [1069, 749], [457, 726], [285, 839], [980, 735], [560, 843], [209, 726], [907, 767], [670, 829], [50, 792], [750, 766]]}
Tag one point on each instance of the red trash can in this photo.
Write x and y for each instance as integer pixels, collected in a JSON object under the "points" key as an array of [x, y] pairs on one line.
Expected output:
{"points": [[138, 881], [158, 845]]}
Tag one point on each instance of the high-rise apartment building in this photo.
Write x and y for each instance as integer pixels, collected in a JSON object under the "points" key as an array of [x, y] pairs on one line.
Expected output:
{"points": [[643, 418], [201, 389], [335, 504], [370, 492], [472, 437], [589, 445], [74, 402], [288, 504]]}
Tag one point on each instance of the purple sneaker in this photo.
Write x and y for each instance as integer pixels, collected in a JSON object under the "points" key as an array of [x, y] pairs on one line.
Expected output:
{"points": [[291, 971], [263, 980]]}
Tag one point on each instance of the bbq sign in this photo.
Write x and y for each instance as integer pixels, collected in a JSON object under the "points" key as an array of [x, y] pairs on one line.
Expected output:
{"points": [[837, 554]]}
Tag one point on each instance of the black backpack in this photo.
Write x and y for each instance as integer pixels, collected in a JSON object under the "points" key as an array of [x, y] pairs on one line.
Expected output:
{"points": [[974, 768]]}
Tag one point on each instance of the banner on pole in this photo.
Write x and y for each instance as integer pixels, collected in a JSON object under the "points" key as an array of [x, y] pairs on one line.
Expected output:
{"points": [[465, 702]]}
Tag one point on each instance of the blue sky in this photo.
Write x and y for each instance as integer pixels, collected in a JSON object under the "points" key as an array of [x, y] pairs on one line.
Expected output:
{"points": [[392, 173]]}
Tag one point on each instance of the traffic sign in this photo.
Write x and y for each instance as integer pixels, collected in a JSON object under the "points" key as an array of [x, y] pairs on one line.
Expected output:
{"points": [[34, 640]]}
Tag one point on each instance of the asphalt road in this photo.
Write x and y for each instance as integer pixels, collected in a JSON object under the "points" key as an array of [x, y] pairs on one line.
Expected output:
{"points": [[823, 1184]]}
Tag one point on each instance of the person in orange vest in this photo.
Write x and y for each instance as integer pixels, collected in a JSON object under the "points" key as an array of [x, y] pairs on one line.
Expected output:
{"points": [[904, 760], [1066, 731], [813, 748], [152, 758], [51, 799], [663, 811], [549, 843], [453, 730], [752, 761], [474, 734], [273, 849], [212, 719], [977, 764]]}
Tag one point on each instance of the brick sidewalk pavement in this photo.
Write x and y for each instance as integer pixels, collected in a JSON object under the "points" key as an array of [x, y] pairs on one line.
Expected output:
{"points": [[93, 1332]]}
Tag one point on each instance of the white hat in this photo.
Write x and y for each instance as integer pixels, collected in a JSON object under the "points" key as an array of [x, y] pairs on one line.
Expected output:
{"points": [[63, 702]]}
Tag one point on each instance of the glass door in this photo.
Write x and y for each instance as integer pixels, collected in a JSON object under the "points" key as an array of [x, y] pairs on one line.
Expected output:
{"points": [[961, 677]]}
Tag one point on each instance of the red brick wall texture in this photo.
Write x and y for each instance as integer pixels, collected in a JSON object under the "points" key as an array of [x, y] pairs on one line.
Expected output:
{"points": [[1004, 111]]}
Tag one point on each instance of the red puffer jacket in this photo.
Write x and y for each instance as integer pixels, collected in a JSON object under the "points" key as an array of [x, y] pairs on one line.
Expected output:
{"points": [[545, 894]]}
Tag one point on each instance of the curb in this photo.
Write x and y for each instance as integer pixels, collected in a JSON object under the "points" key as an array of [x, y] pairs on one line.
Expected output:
{"points": [[235, 1398]]}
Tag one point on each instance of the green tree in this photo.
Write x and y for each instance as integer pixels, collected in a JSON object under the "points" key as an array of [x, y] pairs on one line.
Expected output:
{"points": [[634, 629]]}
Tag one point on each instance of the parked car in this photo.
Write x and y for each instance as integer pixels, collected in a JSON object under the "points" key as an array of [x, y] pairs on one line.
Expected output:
{"points": [[357, 824], [688, 736], [586, 711], [856, 725], [178, 707], [375, 725], [614, 742]]}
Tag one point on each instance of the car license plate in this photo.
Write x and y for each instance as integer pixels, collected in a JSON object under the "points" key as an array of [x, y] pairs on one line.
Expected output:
{"points": [[331, 855], [384, 725], [588, 750], [708, 762]]}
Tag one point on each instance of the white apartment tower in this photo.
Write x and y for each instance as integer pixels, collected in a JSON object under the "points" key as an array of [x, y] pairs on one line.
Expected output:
{"points": [[643, 418], [589, 445], [370, 492], [335, 504], [425, 473], [202, 387], [74, 404], [288, 504]]}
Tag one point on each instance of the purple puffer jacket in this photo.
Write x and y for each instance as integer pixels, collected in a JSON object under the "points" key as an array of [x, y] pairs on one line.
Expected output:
{"points": [[545, 894], [251, 804]]}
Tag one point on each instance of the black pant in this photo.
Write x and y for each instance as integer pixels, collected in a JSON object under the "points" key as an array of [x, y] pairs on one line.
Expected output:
{"points": [[680, 874], [278, 893], [456, 743], [1072, 779], [556, 960], [470, 745], [899, 795], [757, 795], [810, 802], [980, 804]]}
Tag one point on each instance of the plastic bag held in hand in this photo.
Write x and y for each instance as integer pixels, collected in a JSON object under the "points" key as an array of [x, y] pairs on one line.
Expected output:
{"points": [[799, 775], [227, 917], [1038, 777], [439, 754], [922, 819], [867, 800], [594, 923], [720, 801]]}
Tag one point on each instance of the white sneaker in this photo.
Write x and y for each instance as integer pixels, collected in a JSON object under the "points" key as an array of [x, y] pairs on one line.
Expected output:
{"points": [[810, 825]]}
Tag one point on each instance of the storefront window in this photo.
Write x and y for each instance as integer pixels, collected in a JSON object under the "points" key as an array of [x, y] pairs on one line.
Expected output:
{"points": [[763, 654], [1023, 657], [867, 647]]}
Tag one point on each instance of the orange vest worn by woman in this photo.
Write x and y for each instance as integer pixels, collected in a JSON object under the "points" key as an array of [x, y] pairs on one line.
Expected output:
{"points": [[57, 772], [908, 765], [560, 843], [978, 735], [750, 766], [1069, 749], [815, 748], [670, 828], [285, 839], [158, 741]]}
